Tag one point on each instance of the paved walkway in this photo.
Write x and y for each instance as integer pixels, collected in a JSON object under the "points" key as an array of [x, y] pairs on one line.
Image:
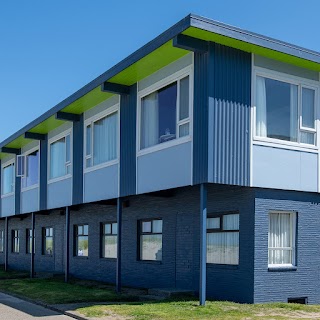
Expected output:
{"points": [[15, 309]]}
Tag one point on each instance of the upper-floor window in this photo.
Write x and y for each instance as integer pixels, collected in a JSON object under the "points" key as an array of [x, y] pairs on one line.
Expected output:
{"points": [[8, 177], [165, 112], [285, 109], [101, 138], [60, 156], [28, 169]]}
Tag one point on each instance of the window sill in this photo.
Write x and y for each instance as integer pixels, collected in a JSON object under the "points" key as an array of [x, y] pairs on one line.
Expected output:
{"points": [[283, 144], [223, 266], [81, 257], [35, 186], [7, 195], [101, 166], [164, 145], [108, 259], [282, 269], [150, 262], [60, 178]]}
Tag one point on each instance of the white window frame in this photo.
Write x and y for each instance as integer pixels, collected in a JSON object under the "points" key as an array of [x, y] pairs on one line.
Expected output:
{"points": [[4, 165], [176, 77], [25, 154], [301, 83], [90, 121], [293, 227], [69, 163]]}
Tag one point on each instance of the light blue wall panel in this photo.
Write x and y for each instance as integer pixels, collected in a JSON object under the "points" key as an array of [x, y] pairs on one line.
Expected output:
{"points": [[165, 169], [284, 169], [101, 184], [30, 146], [101, 107], [30, 200], [60, 193], [62, 128], [7, 206], [279, 66]]}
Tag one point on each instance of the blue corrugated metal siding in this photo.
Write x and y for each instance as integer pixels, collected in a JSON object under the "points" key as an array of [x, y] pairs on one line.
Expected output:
{"points": [[229, 116], [43, 173], [77, 189], [200, 118], [128, 107]]}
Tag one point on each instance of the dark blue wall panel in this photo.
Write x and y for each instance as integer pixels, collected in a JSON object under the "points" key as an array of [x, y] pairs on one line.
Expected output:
{"points": [[200, 118], [43, 173], [278, 286], [128, 116], [229, 115], [77, 175]]}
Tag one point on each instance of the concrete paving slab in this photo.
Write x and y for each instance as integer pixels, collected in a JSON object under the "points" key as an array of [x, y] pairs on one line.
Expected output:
{"points": [[12, 308]]}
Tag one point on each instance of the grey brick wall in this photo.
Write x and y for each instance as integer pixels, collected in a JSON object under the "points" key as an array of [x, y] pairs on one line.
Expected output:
{"points": [[303, 282], [180, 264]]}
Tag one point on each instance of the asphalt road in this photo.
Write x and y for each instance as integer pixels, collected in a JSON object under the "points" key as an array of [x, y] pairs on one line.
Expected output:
{"points": [[15, 309]]}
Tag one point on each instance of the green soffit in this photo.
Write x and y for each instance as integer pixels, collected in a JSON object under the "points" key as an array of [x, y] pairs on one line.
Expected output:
{"points": [[151, 63]]}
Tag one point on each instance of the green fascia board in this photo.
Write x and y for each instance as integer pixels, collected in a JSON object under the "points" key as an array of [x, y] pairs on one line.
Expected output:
{"points": [[149, 64], [251, 48]]}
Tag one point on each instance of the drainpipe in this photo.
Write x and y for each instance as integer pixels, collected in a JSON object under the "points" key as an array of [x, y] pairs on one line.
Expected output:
{"points": [[119, 236], [203, 244], [6, 245], [67, 245], [32, 245]]}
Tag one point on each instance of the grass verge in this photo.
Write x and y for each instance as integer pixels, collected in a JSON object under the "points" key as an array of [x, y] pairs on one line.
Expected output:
{"points": [[12, 274], [55, 291], [185, 310]]}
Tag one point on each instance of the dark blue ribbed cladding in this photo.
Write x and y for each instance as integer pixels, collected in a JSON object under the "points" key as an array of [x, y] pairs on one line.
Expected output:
{"points": [[229, 116], [128, 116]]}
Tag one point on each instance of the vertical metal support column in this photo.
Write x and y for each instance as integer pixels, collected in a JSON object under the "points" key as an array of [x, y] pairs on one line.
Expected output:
{"points": [[119, 236], [6, 246], [67, 246], [203, 244], [32, 245]]}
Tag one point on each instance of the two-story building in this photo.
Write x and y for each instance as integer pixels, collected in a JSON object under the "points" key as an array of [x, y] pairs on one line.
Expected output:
{"points": [[192, 164]]}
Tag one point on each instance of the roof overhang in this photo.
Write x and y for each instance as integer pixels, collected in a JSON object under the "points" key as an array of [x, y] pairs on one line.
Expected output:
{"points": [[157, 54]]}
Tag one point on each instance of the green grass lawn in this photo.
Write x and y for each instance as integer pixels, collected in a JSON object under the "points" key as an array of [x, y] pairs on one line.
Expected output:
{"points": [[12, 274], [55, 291], [185, 310]]}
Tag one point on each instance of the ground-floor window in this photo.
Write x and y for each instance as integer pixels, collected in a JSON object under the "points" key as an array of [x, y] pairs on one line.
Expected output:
{"points": [[150, 236], [81, 233], [15, 241], [29, 240], [223, 239], [281, 238], [1, 240], [47, 244], [109, 240]]}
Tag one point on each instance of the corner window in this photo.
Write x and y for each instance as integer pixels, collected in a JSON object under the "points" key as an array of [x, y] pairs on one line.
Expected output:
{"points": [[8, 176], [101, 140], [60, 157], [1, 240], [281, 239], [81, 240], [15, 241], [285, 110], [165, 113], [29, 241], [151, 240], [28, 169], [223, 239], [109, 240], [47, 238]]}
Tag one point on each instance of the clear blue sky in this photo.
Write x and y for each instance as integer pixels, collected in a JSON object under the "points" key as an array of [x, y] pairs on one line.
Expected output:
{"points": [[50, 49]]}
